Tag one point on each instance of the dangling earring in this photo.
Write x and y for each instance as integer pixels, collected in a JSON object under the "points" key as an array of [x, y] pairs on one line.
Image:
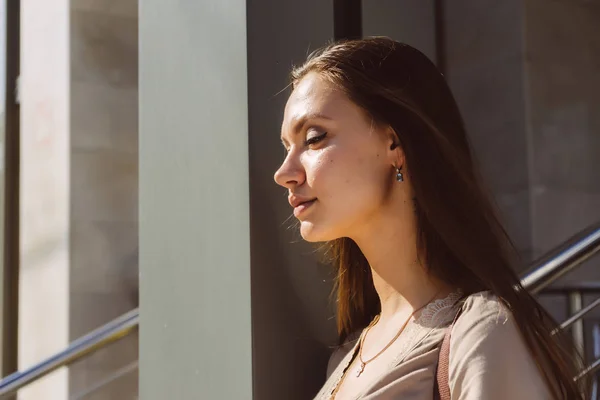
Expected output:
{"points": [[399, 176]]}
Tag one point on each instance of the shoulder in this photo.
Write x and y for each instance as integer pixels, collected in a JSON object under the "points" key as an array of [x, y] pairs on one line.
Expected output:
{"points": [[484, 329], [488, 354], [484, 311]]}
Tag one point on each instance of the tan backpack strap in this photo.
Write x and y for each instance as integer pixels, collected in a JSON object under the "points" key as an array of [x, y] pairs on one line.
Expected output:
{"points": [[442, 384]]}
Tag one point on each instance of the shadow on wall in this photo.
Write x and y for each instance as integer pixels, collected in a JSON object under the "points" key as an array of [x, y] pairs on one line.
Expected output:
{"points": [[130, 277]]}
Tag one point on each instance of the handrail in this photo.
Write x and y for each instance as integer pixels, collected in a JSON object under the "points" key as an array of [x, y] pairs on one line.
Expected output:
{"points": [[594, 367], [563, 259], [93, 341], [573, 252], [580, 314]]}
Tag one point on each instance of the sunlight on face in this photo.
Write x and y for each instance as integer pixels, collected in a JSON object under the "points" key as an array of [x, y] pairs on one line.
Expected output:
{"points": [[337, 168]]}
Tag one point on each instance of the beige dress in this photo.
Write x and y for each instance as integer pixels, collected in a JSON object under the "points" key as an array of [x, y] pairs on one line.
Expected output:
{"points": [[488, 357]]}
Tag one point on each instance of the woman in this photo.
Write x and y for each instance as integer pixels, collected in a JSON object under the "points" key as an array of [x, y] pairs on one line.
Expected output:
{"points": [[378, 166]]}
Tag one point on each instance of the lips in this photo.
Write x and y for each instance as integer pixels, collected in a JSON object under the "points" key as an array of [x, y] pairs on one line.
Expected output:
{"points": [[301, 203], [302, 207], [296, 201]]}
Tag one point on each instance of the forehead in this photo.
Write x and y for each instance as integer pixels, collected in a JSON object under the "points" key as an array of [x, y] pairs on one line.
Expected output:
{"points": [[314, 95]]}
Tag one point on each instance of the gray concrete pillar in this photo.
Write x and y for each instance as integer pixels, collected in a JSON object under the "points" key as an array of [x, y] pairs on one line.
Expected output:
{"points": [[195, 337]]}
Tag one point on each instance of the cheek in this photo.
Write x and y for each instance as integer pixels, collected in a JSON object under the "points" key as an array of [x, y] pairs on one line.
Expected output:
{"points": [[348, 179], [326, 173]]}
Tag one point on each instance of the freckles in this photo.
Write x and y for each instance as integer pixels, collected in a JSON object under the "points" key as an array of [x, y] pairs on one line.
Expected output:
{"points": [[318, 167]]}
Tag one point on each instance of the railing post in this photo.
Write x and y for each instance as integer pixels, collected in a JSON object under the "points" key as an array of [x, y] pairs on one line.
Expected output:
{"points": [[575, 305], [596, 340]]}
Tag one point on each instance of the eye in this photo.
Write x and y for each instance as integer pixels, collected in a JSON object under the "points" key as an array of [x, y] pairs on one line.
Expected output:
{"points": [[315, 139]]}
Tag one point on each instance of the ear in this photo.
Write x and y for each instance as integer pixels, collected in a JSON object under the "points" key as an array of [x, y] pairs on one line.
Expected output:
{"points": [[395, 152]]}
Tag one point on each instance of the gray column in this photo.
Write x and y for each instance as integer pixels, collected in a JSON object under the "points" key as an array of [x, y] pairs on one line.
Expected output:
{"points": [[233, 305], [195, 339]]}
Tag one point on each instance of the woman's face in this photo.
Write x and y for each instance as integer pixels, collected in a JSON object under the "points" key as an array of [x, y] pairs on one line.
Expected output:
{"points": [[338, 167]]}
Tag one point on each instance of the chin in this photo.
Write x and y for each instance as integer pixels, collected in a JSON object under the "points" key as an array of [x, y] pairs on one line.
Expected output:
{"points": [[314, 234]]}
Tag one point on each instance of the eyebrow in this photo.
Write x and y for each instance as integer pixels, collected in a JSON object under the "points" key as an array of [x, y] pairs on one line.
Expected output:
{"points": [[299, 123]]}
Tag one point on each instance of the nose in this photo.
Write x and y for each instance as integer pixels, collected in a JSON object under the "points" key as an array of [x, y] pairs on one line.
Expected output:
{"points": [[291, 173]]}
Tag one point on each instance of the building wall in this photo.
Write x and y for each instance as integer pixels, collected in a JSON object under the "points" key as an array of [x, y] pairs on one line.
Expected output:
{"points": [[408, 21], [103, 179], [525, 78], [485, 69], [563, 65]]}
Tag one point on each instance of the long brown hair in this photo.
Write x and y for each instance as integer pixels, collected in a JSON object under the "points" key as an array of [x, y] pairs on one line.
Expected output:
{"points": [[460, 237]]}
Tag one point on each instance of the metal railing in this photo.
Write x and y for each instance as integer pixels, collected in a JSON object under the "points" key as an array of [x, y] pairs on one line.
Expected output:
{"points": [[572, 253], [563, 259], [543, 272], [95, 340]]}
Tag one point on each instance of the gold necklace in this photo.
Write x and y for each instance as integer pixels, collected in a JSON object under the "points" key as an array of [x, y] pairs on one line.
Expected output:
{"points": [[363, 363]]}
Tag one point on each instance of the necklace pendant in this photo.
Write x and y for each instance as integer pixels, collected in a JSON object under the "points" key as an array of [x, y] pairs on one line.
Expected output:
{"points": [[362, 368]]}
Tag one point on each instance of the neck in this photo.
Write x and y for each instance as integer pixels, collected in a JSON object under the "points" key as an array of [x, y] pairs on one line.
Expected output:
{"points": [[402, 281]]}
